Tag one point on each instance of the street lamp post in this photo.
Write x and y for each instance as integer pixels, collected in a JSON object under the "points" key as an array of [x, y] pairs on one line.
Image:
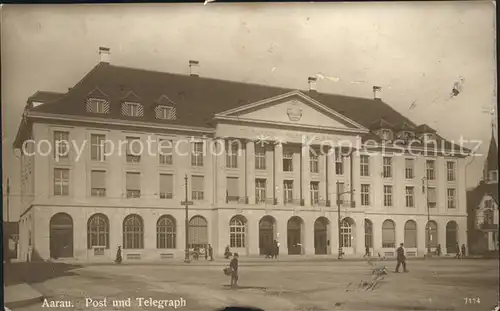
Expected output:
{"points": [[425, 189], [186, 203], [338, 217]]}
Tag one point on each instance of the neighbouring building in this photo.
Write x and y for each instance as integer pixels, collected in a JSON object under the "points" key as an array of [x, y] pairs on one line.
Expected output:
{"points": [[257, 165], [483, 206]]}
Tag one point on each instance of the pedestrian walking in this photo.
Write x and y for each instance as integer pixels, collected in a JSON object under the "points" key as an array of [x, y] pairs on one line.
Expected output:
{"points": [[438, 250], [234, 270], [276, 249], [457, 250], [367, 251], [401, 258], [463, 251], [206, 252], [211, 252], [118, 258]]}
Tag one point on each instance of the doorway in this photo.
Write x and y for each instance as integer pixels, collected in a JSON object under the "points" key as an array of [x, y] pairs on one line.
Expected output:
{"points": [[267, 226], [61, 236]]}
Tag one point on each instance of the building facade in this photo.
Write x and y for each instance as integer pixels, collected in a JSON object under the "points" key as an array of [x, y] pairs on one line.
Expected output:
{"points": [[261, 164], [483, 206]]}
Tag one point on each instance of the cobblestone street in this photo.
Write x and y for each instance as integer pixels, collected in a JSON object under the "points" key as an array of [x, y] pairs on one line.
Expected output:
{"points": [[430, 285]]}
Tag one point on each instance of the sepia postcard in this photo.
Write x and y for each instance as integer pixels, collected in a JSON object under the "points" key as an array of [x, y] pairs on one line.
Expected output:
{"points": [[261, 156]]}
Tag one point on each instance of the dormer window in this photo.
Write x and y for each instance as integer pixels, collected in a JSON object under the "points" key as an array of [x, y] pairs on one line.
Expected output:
{"points": [[427, 137], [386, 134], [405, 135], [95, 105], [132, 109], [165, 113]]}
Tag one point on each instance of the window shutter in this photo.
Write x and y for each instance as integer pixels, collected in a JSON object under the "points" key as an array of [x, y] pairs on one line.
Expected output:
{"points": [[232, 186], [133, 181], [166, 183], [197, 183], [98, 179]]}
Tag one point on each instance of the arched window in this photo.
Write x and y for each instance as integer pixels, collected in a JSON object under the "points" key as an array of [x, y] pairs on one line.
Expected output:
{"points": [[368, 233], [98, 231], [198, 232], [346, 233], [237, 232], [410, 234], [388, 234], [133, 232], [431, 234], [165, 232]]}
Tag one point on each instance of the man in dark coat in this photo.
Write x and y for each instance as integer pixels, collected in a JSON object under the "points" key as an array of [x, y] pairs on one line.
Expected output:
{"points": [[206, 252], [401, 258], [234, 266], [463, 251], [457, 249], [119, 255], [211, 252]]}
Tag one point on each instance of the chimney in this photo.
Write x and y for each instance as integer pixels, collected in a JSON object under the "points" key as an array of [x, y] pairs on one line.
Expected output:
{"points": [[105, 54], [194, 67], [312, 84], [377, 90]]}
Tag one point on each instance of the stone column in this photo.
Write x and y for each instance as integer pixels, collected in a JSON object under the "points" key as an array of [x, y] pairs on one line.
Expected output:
{"points": [[359, 235], [332, 179], [253, 238], [250, 174], [323, 173], [306, 176], [308, 243], [421, 236]]}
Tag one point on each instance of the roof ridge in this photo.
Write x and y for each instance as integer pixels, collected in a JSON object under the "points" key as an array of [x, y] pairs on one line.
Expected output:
{"points": [[239, 82]]}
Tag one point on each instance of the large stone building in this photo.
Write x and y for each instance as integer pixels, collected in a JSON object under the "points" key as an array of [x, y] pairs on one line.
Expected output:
{"points": [[262, 163]]}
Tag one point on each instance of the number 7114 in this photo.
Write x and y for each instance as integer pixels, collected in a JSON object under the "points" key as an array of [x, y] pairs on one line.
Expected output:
{"points": [[472, 301]]}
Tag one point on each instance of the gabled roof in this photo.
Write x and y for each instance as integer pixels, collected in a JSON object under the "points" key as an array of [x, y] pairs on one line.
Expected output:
{"points": [[381, 124], [475, 195], [97, 94], [131, 97], [424, 128], [199, 98], [45, 97], [406, 127]]}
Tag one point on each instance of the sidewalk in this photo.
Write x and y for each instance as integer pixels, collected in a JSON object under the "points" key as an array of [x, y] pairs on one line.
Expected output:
{"points": [[20, 295]]}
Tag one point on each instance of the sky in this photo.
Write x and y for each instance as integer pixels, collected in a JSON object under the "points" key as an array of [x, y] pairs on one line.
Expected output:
{"points": [[414, 51]]}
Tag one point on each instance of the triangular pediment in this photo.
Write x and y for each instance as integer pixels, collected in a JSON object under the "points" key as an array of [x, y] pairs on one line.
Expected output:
{"points": [[293, 108]]}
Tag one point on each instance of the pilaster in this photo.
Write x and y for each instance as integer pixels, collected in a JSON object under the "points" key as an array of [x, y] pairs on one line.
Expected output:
{"points": [[250, 175], [421, 235], [208, 170], [308, 243], [323, 173], [441, 185], [277, 187], [221, 172], [79, 175], [114, 160], [306, 177], [253, 238]]}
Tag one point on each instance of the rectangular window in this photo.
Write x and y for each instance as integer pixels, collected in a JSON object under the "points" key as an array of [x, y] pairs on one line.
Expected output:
{"points": [[97, 147], [166, 186], [61, 145], [287, 161], [98, 183], [165, 151], [387, 168], [364, 165], [313, 162], [232, 155], [97, 106], [133, 185], [314, 193], [450, 166], [410, 197], [387, 195], [431, 197], [340, 192], [233, 186], [409, 167], [431, 169], [197, 187], [365, 195], [61, 182], [165, 113], [133, 150], [452, 193], [260, 157], [288, 191], [132, 110], [339, 163], [197, 154], [260, 190]]}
